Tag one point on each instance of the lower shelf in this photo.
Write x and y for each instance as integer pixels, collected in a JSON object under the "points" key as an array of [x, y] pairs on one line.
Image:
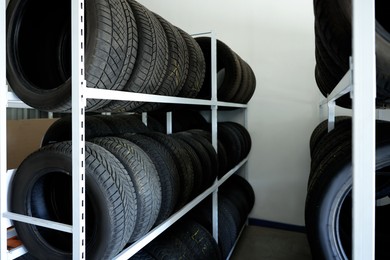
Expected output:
{"points": [[133, 248]]}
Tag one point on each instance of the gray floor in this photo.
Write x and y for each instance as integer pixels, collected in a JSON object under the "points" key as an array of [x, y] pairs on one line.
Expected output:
{"points": [[273, 244]]}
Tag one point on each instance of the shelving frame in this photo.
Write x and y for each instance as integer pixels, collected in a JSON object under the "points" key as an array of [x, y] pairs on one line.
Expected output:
{"points": [[79, 88], [360, 82], [80, 93]]}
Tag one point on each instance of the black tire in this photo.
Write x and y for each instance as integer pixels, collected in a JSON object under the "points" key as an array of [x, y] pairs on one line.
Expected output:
{"points": [[222, 153], [142, 255], [243, 185], [245, 83], [334, 19], [328, 201], [42, 188], [152, 58], [227, 230], [230, 138], [61, 129], [322, 56], [196, 69], [167, 171], [318, 196], [177, 71], [134, 122], [237, 197], [183, 163], [198, 240], [168, 246], [144, 176], [45, 83], [330, 144], [328, 14], [206, 154], [245, 138], [121, 124], [328, 73], [321, 130], [250, 90], [196, 165], [321, 135], [228, 66], [211, 153]]}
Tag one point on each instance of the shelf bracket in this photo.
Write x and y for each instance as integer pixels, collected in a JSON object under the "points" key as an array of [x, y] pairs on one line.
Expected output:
{"points": [[343, 87]]}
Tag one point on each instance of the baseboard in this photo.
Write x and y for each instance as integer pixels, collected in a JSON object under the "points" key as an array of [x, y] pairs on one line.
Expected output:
{"points": [[272, 224]]}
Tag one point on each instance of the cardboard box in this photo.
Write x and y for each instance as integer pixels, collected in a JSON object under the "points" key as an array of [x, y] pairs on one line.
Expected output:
{"points": [[23, 138]]}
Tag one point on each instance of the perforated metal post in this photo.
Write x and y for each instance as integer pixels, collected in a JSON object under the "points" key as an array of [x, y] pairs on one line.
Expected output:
{"points": [[364, 92], [78, 124], [214, 124], [3, 130]]}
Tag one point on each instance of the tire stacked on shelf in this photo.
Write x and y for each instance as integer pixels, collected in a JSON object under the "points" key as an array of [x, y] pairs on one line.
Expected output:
{"points": [[41, 188], [150, 175], [186, 239], [39, 51], [328, 209], [235, 201], [144, 177], [167, 171], [127, 47], [333, 47], [202, 161], [236, 79], [234, 140]]}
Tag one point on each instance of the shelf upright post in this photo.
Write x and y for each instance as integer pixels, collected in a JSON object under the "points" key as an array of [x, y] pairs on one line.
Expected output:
{"points": [[3, 130], [363, 155], [214, 124], [169, 122], [78, 131]]}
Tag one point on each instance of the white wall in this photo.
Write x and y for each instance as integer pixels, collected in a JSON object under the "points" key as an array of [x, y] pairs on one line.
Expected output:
{"points": [[276, 38]]}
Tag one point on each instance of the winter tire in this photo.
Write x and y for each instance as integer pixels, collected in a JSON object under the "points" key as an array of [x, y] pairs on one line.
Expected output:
{"points": [[42, 186]]}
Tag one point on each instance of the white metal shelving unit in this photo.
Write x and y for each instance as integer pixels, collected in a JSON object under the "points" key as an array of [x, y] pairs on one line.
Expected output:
{"points": [[80, 93], [360, 81]]}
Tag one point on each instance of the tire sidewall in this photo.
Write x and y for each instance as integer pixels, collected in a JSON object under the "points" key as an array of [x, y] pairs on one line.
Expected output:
{"points": [[22, 197]]}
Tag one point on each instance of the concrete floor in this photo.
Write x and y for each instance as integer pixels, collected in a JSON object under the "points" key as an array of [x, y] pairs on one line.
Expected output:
{"points": [[271, 244]]}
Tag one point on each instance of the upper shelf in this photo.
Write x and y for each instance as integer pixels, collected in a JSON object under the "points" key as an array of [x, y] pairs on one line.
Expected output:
{"points": [[15, 102]]}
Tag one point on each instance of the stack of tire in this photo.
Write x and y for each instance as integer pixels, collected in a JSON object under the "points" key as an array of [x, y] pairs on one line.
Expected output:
{"points": [[135, 179], [328, 210], [127, 47], [190, 237], [236, 81], [235, 201], [233, 140], [333, 47], [186, 239]]}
